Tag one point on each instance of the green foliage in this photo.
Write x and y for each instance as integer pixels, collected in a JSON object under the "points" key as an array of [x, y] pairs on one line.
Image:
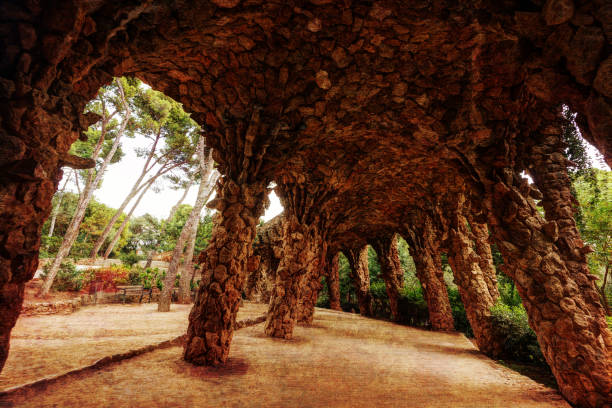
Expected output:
{"points": [[460, 319], [148, 278], [130, 258], [171, 230], [68, 278], [412, 307], [508, 294], [520, 341]]}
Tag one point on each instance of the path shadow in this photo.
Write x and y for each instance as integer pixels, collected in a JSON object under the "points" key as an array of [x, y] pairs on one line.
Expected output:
{"points": [[233, 367]]}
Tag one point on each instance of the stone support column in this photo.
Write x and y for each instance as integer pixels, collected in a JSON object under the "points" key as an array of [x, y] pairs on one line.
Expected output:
{"points": [[424, 249], [472, 283], [303, 255], [560, 298], [480, 236], [241, 199], [390, 268], [360, 274], [333, 281], [213, 315], [303, 249]]}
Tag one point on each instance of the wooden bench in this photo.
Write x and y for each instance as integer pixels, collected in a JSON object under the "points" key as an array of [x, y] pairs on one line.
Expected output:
{"points": [[134, 290]]}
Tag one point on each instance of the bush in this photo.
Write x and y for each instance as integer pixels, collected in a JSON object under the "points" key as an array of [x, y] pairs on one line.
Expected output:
{"points": [[520, 341], [412, 307], [380, 301], [508, 294], [130, 258], [107, 279], [149, 277], [68, 278], [81, 249], [49, 246]]}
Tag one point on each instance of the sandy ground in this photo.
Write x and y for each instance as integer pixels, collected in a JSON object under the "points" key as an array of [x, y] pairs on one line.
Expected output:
{"points": [[48, 345], [343, 360]]}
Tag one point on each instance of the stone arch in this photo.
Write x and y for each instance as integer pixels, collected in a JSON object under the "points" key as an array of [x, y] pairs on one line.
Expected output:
{"points": [[355, 96]]}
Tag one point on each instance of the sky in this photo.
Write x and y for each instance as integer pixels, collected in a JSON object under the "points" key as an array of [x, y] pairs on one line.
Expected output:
{"points": [[120, 177]]}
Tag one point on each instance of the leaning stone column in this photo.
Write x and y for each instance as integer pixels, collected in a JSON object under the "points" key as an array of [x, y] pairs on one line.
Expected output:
{"points": [[480, 236], [424, 249], [240, 201], [333, 281], [360, 274], [472, 284], [304, 251], [561, 300], [390, 268]]}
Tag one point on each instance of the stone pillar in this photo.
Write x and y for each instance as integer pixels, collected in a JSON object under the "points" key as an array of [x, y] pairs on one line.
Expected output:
{"points": [[424, 249], [240, 200], [333, 281], [309, 291], [360, 274], [472, 284], [390, 268], [561, 299], [213, 315], [480, 236], [303, 249]]}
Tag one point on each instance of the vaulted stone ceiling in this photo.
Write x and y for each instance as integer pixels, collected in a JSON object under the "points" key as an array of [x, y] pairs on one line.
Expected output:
{"points": [[379, 101]]}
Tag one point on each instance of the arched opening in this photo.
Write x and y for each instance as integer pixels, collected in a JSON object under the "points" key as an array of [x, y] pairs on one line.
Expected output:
{"points": [[360, 114]]}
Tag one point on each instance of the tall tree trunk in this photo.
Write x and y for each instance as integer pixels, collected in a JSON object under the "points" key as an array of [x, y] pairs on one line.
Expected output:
{"points": [[175, 207], [88, 190], [135, 188], [60, 196], [150, 258], [125, 221], [333, 281], [184, 295], [206, 166]]}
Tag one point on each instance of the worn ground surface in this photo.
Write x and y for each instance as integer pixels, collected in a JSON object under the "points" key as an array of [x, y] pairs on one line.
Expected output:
{"points": [[342, 360], [48, 345]]}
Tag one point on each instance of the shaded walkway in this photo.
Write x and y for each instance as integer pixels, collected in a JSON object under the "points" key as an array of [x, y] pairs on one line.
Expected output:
{"points": [[342, 360], [43, 346]]}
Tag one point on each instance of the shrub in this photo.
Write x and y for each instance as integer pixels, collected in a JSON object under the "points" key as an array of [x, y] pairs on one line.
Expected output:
{"points": [[508, 294], [107, 279], [412, 307], [68, 278], [49, 246], [520, 341], [380, 301], [130, 258], [81, 249]]}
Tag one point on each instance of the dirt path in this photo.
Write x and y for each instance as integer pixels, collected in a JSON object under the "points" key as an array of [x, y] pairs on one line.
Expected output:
{"points": [[342, 361], [42, 346]]}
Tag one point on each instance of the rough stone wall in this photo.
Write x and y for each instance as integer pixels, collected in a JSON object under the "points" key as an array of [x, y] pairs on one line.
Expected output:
{"points": [[424, 247], [390, 269], [360, 274]]}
